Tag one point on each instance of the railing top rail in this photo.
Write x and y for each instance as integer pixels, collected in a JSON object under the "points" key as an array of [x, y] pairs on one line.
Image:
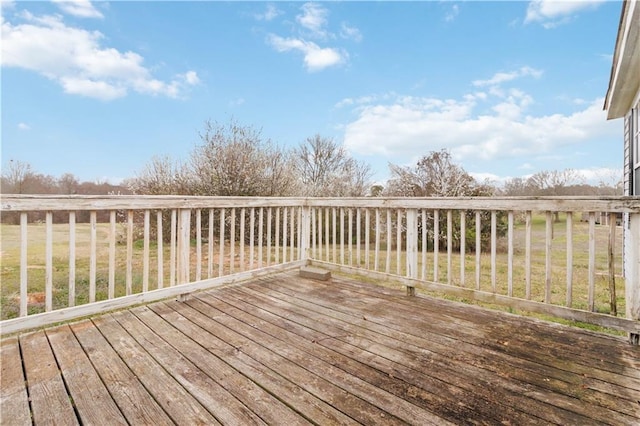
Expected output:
{"points": [[564, 204], [11, 202]]}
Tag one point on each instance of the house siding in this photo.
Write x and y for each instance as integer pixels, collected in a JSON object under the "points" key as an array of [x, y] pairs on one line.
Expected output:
{"points": [[634, 146], [628, 182], [631, 240]]}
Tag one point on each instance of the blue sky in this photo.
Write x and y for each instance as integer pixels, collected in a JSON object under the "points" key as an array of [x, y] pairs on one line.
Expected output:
{"points": [[510, 88]]}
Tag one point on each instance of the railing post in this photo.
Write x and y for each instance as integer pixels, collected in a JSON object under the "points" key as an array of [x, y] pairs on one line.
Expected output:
{"points": [[305, 230], [184, 245], [632, 271], [412, 248]]}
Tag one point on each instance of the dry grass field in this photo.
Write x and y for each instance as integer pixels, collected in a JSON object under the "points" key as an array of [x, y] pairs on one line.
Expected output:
{"points": [[10, 264]]}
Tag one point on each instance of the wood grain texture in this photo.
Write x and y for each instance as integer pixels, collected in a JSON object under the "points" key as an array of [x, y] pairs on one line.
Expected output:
{"points": [[178, 403], [15, 202], [91, 398], [50, 403], [282, 349], [135, 403], [14, 402]]}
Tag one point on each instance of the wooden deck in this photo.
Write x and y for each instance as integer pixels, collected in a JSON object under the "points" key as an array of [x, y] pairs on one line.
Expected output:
{"points": [[287, 350]]}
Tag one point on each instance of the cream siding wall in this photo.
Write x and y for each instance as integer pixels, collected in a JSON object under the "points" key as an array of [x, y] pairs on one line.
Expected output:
{"points": [[627, 154], [631, 233]]}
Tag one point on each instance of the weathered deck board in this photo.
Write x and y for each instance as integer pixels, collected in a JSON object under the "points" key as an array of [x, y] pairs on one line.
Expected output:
{"points": [[49, 400], [321, 379], [223, 405], [91, 398], [581, 343], [377, 372], [289, 350], [179, 404], [564, 394], [135, 403], [623, 370], [199, 328], [480, 395], [260, 402], [14, 402]]}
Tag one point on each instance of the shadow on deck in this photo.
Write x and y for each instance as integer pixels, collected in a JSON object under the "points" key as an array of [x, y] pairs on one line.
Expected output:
{"points": [[288, 350]]}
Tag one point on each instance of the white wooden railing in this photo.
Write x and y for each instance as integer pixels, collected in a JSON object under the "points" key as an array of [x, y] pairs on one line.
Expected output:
{"points": [[548, 255]]}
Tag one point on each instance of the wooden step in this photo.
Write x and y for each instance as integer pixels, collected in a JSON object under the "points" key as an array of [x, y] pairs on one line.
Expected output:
{"points": [[315, 273]]}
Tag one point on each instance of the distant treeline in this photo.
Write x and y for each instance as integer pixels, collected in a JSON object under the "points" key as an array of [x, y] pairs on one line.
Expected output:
{"points": [[20, 178], [236, 160]]}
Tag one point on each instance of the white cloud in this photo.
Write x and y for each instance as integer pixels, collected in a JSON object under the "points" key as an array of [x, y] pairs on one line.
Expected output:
{"points": [[24, 126], [92, 89], [605, 175], [344, 102], [316, 58], [191, 78], [79, 8], [452, 14], [470, 127], [592, 176], [7, 4], [503, 77], [552, 13], [364, 100], [313, 18], [76, 59], [269, 14], [312, 23], [490, 177], [350, 33]]}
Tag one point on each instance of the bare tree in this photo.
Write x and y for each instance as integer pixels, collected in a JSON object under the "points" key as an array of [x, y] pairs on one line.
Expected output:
{"points": [[554, 182], [325, 168], [435, 175], [235, 160], [16, 178], [68, 184], [611, 183], [162, 176], [516, 186]]}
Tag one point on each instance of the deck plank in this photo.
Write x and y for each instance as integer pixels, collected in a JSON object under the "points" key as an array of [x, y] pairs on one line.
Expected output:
{"points": [[283, 349], [179, 404], [423, 391], [91, 398], [294, 369], [396, 408], [584, 346], [503, 348], [557, 343], [573, 396], [218, 401], [50, 403], [291, 394], [260, 402], [508, 336], [137, 405], [444, 374], [14, 402]]}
